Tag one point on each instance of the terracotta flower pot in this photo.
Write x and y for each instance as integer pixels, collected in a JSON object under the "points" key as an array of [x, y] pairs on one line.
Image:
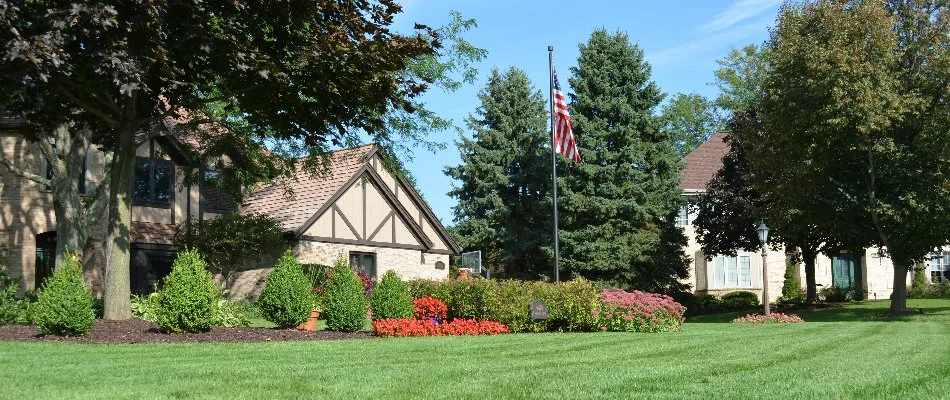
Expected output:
{"points": [[310, 324]]}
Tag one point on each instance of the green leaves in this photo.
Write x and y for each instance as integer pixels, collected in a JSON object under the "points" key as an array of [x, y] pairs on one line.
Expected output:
{"points": [[64, 305], [287, 298], [345, 304], [188, 299], [616, 204], [504, 206], [391, 298]]}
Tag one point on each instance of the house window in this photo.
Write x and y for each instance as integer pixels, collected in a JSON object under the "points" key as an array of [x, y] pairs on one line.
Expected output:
{"points": [[686, 216], [365, 262], [732, 272], [215, 199], [939, 267], [152, 186]]}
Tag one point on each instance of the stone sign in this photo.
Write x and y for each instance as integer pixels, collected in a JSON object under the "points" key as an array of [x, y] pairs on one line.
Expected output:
{"points": [[539, 310]]}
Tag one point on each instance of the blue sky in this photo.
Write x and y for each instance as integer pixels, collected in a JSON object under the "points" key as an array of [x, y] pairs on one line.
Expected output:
{"points": [[681, 39]]}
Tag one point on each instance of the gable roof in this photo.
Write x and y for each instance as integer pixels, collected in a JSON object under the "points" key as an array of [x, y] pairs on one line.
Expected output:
{"points": [[310, 193], [703, 162]]}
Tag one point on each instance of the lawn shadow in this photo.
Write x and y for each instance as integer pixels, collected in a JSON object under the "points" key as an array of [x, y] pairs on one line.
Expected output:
{"points": [[934, 310]]}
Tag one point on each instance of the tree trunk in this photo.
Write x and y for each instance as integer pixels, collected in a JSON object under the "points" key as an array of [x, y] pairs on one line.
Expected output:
{"points": [[899, 296], [117, 287], [811, 287]]}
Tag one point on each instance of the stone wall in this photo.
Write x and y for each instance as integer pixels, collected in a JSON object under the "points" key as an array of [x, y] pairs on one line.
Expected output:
{"points": [[408, 264]]}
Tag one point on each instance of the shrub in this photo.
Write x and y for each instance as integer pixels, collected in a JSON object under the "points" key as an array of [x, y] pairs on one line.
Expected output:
{"points": [[188, 299], [740, 299], [10, 308], [144, 307], [638, 311], [427, 327], [344, 304], [919, 284], [428, 308], [390, 298], [773, 318], [706, 300], [64, 305], [792, 292], [287, 297], [837, 294], [230, 314]]}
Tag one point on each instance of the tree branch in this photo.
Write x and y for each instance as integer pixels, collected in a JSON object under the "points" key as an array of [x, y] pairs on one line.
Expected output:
{"points": [[86, 106], [24, 174]]}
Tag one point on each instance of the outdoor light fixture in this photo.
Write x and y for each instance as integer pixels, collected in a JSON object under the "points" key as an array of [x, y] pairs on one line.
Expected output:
{"points": [[764, 239]]}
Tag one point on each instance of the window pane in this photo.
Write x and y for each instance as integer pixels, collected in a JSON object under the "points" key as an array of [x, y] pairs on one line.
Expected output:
{"points": [[369, 264], [140, 186], [163, 182], [720, 273], [745, 272], [732, 273]]}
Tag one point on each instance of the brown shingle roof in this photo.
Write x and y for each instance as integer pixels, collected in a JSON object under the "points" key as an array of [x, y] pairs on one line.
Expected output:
{"points": [[152, 233], [310, 192], [703, 162]]}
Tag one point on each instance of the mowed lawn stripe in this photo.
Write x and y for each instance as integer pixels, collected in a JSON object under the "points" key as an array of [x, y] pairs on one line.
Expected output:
{"points": [[876, 359]]}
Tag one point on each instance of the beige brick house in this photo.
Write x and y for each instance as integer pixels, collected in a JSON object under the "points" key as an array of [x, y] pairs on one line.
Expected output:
{"points": [[718, 274], [357, 210]]}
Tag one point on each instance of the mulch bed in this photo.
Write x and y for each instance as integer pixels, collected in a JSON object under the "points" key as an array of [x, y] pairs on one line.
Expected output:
{"points": [[138, 331]]}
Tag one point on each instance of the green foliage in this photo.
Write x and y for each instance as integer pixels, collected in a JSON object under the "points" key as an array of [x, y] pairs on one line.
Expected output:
{"points": [[739, 299], [187, 301], [618, 202], [504, 206], [571, 304], [690, 119], [316, 273], [919, 284], [706, 300], [345, 305], [230, 313], [64, 305], [287, 298], [837, 294], [230, 241], [10, 308], [854, 110], [145, 307], [390, 298], [740, 76], [792, 292]]}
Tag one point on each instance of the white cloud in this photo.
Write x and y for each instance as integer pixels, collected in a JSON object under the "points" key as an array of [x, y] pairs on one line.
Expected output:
{"points": [[710, 43], [739, 11]]}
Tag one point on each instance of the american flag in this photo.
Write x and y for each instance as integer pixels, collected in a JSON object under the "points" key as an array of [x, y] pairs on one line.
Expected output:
{"points": [[563, 137]]}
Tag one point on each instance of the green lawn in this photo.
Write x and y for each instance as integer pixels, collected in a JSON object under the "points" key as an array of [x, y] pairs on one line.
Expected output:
{"points": [[855, 360]]}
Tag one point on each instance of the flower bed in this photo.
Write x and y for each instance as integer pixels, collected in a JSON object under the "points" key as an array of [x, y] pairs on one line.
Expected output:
{"points": [[429, 327], [637, 311], [773, 318]]}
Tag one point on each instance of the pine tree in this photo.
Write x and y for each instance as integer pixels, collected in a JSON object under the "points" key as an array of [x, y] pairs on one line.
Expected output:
{"points": [[616, 205], [504, 206]]}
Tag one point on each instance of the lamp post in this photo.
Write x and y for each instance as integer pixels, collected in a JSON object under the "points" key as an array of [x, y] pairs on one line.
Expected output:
{"points": [[764, 239]]}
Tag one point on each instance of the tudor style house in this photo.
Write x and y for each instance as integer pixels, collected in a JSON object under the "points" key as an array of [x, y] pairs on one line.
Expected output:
{"points": [[356, 210], [718, 274]]}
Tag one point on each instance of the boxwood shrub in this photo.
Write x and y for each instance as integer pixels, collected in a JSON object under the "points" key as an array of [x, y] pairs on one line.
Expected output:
{"points": [[64, 305], [287, 298], [345, 304], [390, 298], [188, 299], [739, 299]]}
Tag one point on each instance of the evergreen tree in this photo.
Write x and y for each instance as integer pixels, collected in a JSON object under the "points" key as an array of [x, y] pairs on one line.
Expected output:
{"points": [[617, 203], [504, 202]]}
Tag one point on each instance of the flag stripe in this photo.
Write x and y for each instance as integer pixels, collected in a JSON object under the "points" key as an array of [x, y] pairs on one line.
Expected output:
{"points": [[563, 136]]}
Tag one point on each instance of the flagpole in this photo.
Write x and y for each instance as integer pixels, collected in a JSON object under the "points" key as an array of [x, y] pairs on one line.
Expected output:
{"points": [[557, 250]]}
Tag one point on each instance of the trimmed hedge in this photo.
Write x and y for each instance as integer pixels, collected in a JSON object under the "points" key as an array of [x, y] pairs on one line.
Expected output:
{"points": [[571, 305], [188, 299], [739, 299], [345, 304], [64, 305], [287, 298], [390, 299]]}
